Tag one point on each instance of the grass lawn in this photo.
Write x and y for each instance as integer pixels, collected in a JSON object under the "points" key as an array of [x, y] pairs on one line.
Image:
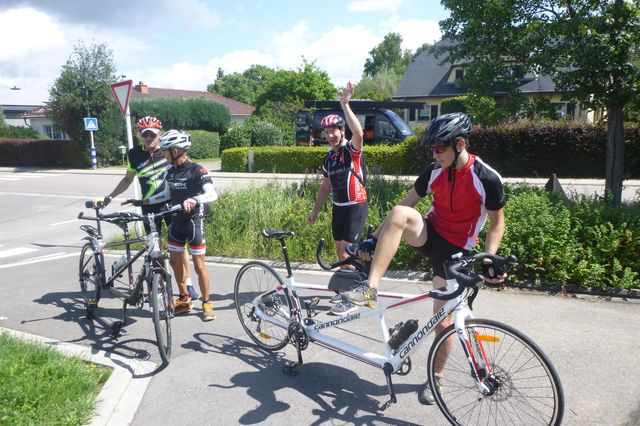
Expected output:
{"points": [[38, 385]]}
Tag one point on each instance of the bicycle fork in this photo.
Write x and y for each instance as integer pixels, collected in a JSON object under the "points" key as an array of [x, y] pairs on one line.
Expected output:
{"points": [[479, 364]]}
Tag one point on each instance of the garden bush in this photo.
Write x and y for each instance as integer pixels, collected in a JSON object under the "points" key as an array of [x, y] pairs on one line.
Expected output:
{"points": [[579, 241], [204, 144], [236, 137]]}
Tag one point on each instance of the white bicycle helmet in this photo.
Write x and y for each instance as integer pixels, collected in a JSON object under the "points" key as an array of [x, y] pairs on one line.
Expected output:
{"points": [[175, 139]]}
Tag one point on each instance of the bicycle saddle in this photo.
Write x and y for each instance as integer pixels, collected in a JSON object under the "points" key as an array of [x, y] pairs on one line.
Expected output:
{"points": [[273, 233]]}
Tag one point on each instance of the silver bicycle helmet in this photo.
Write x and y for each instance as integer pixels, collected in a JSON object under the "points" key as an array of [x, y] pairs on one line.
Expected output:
{"points": [[444, 129], [175, 139]]}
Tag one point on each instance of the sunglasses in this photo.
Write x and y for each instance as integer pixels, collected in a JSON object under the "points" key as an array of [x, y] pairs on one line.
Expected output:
{"points": [[438, 149], [148, 135]]}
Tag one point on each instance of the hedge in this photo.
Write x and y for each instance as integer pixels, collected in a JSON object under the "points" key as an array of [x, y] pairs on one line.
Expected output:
{"points": [[41, 153], [204, 144], [522, 149]]}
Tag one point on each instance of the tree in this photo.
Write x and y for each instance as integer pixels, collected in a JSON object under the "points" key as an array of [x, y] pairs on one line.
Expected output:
{"points": [[585, 45], [379, 87], [244, 87], [83, 90], [293, 87], [388, 55]]}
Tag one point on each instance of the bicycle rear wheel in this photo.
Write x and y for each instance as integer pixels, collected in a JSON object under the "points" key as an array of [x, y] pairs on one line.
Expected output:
{"points": [[524, 385], [162, 313], [90, 277], [255, 279]]}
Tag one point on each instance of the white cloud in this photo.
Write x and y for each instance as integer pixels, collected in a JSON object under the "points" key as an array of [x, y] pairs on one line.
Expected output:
{"points": [[374, 5], [415, 33], [37, 33]]}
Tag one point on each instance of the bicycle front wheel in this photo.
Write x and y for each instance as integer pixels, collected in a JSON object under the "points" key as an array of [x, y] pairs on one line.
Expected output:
{"points": [[90, 277], [269, 329], [522, 386], [162, 313]]}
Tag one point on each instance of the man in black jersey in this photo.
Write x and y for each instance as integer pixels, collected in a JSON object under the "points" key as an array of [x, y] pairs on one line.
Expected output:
{"points": [[148, 164], [186, 184]]}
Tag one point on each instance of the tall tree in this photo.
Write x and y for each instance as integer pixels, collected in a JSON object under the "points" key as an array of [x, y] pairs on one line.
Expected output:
{"points": [[388, 55], [83, 90], [293, 87], [244, 87], [379, 87], [585, 45]]}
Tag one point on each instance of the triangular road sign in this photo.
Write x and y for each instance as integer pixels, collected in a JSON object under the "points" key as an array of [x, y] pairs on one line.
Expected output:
{"points": [[122, 91]]}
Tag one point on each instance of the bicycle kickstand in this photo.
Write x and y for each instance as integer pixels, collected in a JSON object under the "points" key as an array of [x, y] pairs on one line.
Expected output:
{"points": [[116, 326], [291, 367]]}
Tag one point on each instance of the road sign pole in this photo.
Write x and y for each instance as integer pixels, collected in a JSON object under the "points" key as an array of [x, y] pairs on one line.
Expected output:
{"points": [[94, 156]]}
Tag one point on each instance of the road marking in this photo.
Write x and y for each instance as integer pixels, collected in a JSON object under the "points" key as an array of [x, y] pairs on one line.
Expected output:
{"points": [[45, 258], [16, 251], [63, 222]]}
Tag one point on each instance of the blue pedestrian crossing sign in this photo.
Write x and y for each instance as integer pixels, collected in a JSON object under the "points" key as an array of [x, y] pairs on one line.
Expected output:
{"points": [[91, 124]]}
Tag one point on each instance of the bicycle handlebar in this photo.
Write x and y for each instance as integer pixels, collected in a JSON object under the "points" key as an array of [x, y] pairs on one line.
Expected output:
{"points": [[471, 278], [351, 260], [125, 217]]}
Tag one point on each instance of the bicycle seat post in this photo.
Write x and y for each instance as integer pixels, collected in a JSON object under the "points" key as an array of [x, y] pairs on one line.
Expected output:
{"points": [[285, 252]]}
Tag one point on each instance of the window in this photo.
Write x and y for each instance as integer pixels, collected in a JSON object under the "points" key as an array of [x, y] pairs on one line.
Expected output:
{"points": [[434, 111], [459, 74], [386, 129], [423, 113], [53, 132]]}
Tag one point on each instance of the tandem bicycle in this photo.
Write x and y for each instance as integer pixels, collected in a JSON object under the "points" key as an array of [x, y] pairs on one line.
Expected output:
{"points": [[154, 272], [494, 374]]}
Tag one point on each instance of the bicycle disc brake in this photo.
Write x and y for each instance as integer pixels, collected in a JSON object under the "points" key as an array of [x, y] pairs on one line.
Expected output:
{"points": [[298, 336]]}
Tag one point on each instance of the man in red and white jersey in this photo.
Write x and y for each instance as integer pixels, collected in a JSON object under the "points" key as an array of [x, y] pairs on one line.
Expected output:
{"points": [[466, 191]]}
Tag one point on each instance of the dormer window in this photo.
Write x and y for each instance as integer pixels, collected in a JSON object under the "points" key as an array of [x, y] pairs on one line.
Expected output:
{"points": [[459, 73]]}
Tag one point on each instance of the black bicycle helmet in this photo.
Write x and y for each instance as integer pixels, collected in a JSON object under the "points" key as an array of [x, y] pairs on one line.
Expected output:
{"points": [[444, 129]]}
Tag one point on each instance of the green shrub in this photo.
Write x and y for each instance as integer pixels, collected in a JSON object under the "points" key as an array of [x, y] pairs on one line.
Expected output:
{"points": [[42, 153], [581, 241], [265, 134], [204, 144], [234, 160], [236, 137], [178, 113], [19, 132]]}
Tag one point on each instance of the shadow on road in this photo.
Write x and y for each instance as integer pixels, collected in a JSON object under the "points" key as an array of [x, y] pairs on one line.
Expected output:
{"points": [[339, 393]]}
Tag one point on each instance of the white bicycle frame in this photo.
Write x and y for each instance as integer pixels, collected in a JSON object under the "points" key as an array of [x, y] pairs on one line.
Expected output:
{"points": [[389, 361]]}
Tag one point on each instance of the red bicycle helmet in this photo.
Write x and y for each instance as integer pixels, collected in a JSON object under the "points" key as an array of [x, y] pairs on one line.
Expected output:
{"points": [[332, 120], [149, 123]]}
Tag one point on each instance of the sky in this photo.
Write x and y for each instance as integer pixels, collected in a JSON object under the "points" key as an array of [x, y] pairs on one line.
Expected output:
{"points": [[181, 44]]}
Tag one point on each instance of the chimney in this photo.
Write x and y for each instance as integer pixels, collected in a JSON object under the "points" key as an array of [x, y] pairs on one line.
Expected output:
{"points": [[142, 88]]}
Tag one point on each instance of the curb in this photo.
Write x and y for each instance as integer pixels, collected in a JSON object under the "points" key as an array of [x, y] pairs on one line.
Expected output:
{"points": [[121, 395]]}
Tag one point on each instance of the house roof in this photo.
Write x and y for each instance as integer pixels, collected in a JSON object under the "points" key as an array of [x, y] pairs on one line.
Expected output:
{"points": [[426, 77], [236, 108], [35, 113]]}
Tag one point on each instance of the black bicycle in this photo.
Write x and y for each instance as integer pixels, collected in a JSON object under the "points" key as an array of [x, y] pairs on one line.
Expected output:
{"points": [[154, 271]]}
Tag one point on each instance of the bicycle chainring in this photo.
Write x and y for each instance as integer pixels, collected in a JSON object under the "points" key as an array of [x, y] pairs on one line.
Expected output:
{"points": [[298, 335]]}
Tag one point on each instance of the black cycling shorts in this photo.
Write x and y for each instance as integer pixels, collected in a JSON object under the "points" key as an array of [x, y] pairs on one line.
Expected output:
{"points": [[348, 221], [438, 250], [185, 229]]}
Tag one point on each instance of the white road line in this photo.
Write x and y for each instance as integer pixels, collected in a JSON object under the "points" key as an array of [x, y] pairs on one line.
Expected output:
{"points": [[63, 222], [2, 178], [46, 258], [16, 251]]}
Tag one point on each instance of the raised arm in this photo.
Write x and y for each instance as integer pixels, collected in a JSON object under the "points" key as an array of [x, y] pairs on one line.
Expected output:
{"points": [[352, 120]]}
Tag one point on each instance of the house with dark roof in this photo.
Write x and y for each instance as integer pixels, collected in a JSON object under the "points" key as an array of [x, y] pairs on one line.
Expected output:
{"points": [[239, 111], [426, 79]]}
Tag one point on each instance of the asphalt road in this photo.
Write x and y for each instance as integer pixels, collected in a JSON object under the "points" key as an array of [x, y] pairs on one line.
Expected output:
{"points": [[218, 377]]}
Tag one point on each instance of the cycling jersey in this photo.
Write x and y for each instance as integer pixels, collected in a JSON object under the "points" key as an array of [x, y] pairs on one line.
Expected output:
{"points": [[149, 167], [345, 170], [187, 180], [460, 202]]}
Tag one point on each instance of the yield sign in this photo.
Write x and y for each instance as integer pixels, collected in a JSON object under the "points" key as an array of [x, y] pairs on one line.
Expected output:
{"points": [[122, 91]]}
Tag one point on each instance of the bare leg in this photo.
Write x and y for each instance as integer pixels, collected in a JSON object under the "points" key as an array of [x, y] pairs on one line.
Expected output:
{"points": [[447, 346], [402, 221], [176, 259], [341, 252], [203, 276], [185, 261]]}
